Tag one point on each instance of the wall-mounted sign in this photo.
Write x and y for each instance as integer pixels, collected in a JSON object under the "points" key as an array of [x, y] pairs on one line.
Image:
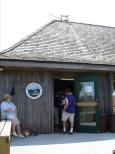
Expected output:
{"points": [[33, 90]]}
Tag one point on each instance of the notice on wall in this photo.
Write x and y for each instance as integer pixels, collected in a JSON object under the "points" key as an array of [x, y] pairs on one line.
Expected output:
{"points": [[88, 89]]}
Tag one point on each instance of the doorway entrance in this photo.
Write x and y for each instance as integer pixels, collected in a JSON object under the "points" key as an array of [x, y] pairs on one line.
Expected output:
{"points": [[60, 85], [86, 90]]}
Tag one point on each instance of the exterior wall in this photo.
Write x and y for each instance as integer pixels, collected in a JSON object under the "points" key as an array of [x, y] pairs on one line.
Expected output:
{"points": [[38, 114], [33, 114], [105, 90]]}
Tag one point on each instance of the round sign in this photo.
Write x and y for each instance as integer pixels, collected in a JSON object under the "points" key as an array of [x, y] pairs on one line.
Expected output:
{"points": [[33, 90]]}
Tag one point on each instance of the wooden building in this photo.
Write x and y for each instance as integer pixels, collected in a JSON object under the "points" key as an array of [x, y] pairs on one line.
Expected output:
{"points": [[60, 55]]}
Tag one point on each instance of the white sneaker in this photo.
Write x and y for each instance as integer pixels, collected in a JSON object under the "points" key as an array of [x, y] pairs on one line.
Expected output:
{"points": [[14, 134], [20, 136]]}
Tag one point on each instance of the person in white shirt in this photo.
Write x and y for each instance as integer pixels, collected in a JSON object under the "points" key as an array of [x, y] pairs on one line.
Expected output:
{"points": [[9, 112]]}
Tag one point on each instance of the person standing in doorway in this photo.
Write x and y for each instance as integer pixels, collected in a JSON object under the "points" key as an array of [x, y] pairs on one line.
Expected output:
{"points": [[69, 111]]}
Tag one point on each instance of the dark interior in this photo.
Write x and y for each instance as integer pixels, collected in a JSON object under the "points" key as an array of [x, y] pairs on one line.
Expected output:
{"points": [[61, 85], [59, 88]]}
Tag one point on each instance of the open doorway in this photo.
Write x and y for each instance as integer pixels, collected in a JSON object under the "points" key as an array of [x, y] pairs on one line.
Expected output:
{"points": [[60, 85]]}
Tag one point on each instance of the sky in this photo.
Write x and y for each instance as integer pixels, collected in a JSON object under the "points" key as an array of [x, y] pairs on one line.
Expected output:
{"points": [[19, 18]]}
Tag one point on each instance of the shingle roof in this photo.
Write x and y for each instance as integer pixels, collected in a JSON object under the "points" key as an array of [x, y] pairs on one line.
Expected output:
{"points": [[61, 41]]}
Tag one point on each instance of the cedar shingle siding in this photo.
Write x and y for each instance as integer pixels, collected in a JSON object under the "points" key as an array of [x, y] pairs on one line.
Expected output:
{"points": [[61, 41]]}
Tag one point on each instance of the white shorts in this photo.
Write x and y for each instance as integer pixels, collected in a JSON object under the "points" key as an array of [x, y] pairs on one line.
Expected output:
{"points": [[12, 117], [66, 116]]}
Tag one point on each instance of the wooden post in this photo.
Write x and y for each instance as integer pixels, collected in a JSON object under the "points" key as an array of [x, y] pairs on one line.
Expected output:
{"points": [[4, 145], [5, 129]]}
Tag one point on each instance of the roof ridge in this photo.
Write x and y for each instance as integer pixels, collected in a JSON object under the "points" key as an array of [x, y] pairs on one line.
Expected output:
{"points": [[70, 22], [27, 37], [92, 24]]}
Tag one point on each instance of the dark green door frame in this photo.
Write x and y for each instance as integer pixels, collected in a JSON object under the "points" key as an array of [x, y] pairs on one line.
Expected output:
{"points": [[87, 78]]}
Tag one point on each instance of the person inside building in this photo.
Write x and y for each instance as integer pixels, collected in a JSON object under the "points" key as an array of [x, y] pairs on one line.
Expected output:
{"points": [[56, 112], [69, 111], [61, 107], [113, 101], [9, 112]]}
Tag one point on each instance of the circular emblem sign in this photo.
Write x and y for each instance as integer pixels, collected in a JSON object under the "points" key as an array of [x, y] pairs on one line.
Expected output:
{"points": [[33, 90]]}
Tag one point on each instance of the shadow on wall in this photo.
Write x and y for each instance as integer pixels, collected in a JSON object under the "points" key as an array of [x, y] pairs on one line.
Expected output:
{"points": [[48, 139]]}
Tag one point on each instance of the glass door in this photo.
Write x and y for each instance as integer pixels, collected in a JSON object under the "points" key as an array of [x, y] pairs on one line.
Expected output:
{"points": [[87, 96]]}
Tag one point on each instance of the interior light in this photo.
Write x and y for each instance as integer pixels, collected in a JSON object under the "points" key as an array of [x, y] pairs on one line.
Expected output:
{"points": [[67, 79]]}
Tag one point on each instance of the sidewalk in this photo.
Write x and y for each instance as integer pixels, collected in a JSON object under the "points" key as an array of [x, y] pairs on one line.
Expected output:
{"points": [[78, 143]]}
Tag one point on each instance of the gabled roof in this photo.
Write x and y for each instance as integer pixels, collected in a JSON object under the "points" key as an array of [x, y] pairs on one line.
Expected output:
{"points": [[61, 41]]}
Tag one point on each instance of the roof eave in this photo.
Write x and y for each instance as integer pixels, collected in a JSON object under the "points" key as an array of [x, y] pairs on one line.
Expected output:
{"points": [[12, 63]]}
